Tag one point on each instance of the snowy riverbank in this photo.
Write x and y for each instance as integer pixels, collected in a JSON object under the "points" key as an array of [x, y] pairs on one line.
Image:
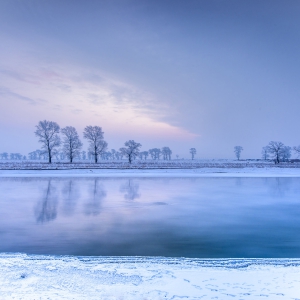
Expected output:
{"points": [[50, 277], [203, 172]]}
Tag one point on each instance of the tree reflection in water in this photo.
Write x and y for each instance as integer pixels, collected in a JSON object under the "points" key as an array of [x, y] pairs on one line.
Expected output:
{"points": [[46, 209], [71, 195], [93, 207], [131, 190]]}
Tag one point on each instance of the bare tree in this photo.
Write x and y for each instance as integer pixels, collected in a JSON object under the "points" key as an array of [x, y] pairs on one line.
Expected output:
{"points": [[113, 153], [155, 153], [276, 149], [264, 153], [143, 154], [152, 154], [237, 150], [47, 132], [83, 155], [71, 143], [286, 153], [166, 152], [193, 152], [97, 145], [118, 155], [131, 150], [297, 150], [4, 155]]}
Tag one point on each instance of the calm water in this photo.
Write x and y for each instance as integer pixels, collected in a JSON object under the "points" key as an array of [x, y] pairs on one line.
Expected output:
{"points": [[191, 217]]}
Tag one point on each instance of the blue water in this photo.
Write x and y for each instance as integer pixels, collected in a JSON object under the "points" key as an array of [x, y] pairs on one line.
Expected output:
{"points": [[174, 217]]}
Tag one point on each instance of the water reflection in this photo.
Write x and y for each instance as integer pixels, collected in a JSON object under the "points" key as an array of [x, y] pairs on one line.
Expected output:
{"points": [[93, 206], [279, 186], [193, 217], [131, 190], [71, 195], [46, 209]]}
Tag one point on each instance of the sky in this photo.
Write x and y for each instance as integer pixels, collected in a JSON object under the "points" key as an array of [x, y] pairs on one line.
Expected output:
{"points": [[205, 74]]}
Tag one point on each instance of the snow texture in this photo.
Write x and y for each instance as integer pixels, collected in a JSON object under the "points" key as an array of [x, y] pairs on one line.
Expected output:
{"points": [[51, 277]]}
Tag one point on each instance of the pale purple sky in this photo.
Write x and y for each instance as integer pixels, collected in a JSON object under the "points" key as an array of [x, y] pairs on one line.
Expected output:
{"points": [[205, 74]]}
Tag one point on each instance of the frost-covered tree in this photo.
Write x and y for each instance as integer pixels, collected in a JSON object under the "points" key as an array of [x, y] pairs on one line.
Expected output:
{"points": [[106, 155], [286, 153], [47, 132], [4, 155], [97, 145], [145, 153], [131, 150], [39, 154], [155, 153], [297, 150], [166, 152], [117, 155], [276, 150], [62, 155], [89, 155], [237, 150], [56, 154], [83, 155], [18, 156], [152, 154], [71, 143], [193, 152], [32, 155], [264, 153], [113, 153]]}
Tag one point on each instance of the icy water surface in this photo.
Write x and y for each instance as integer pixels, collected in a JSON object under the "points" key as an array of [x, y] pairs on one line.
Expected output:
{"points": [[190, 217]]}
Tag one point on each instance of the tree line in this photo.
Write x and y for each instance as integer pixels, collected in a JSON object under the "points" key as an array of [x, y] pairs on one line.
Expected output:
{"points": [[276, 151], [70, 145]]}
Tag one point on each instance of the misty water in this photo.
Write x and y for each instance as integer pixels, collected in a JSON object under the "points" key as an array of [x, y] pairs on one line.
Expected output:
{"points": [[189, 217]]}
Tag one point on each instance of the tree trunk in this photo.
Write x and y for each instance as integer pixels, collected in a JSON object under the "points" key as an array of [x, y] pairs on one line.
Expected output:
{"points": [[50, 158]]}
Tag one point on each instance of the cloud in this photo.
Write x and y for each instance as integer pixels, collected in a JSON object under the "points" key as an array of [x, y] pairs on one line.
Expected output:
{"points": [[20, 76], [76, 111], [65, 87], [6, 93]]}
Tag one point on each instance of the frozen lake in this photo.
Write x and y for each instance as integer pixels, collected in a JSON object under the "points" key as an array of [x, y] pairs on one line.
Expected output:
{"points": [[173, 217]]}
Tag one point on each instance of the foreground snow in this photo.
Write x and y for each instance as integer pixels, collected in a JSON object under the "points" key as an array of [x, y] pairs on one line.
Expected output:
{"points": [[49, 277], [202, 172]]}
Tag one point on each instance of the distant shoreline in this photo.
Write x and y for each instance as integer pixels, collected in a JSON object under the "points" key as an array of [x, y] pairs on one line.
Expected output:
{"points": [[152, 173]]}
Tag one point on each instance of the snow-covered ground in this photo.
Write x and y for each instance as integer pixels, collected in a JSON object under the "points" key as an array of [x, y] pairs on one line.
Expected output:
{"points": [[49, 277], [202, 172], [145, 164]]}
